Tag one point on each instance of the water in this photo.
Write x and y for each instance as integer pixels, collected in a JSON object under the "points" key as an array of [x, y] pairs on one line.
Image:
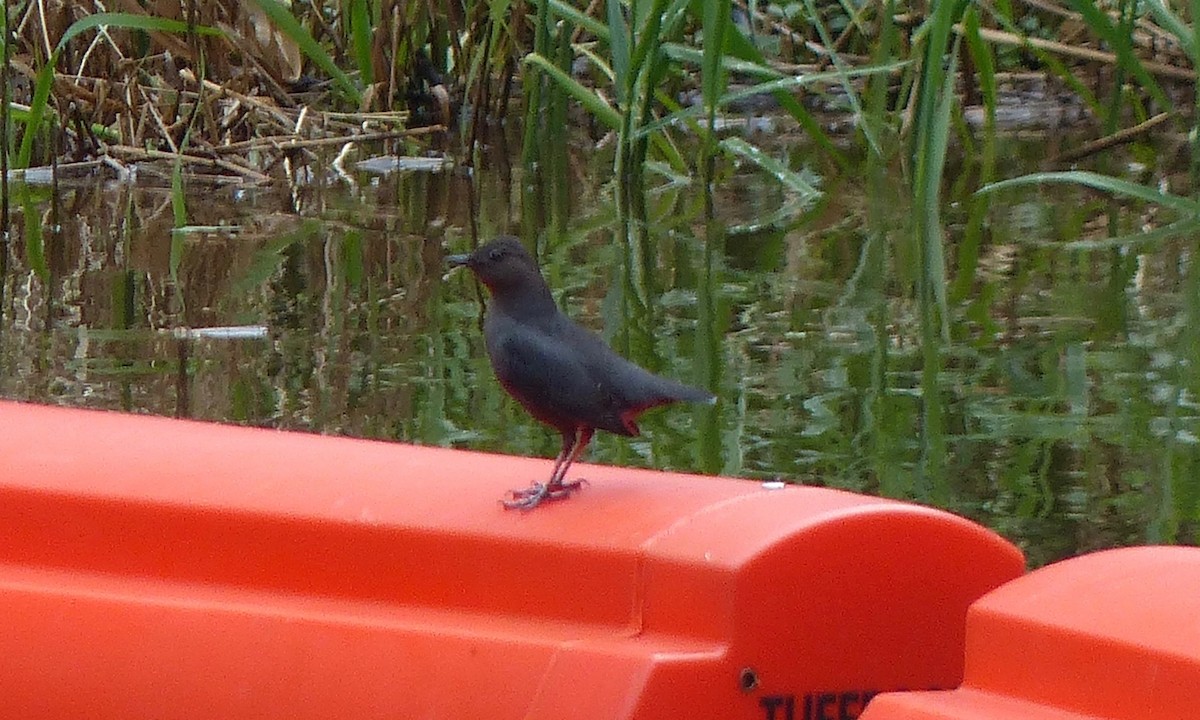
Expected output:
{"points": [[1065, 408]]}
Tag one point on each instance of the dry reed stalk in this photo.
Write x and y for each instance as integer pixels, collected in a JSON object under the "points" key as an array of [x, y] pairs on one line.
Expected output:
{"points": [[1079, 53]]}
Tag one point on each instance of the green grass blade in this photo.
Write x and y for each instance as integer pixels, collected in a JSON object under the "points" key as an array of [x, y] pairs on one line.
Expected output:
{"points": [[129, 21], [785, 175], [579, 18], [652, 66], [37, 111], [648, 41], [776, 85], [178, 200], [794, 81], [876, 110], [931, 137], [618, 44], [647, 65], [360, 38], [283, 19], [1172, 24], [35, 241], [743, 56], [1187, 228], [179, 212], [985, 69], [929, 196], [935, 35], [587, 97], [1056, 66], [1119, 42], [18, 113], [840, 66], [730, 63], [674, 16], [1105, 183], [533, 83], [965, 282], [1195, 44], [715, 20], [600, 63]]}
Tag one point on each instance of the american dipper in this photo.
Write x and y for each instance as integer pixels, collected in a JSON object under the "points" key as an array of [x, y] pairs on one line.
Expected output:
{"points": [[563, 374]]}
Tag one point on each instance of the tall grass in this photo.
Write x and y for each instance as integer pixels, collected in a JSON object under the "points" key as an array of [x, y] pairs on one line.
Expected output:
{"points": [[5, 136], [624, 64], [640, 53], [286, 22], [39, 107]]}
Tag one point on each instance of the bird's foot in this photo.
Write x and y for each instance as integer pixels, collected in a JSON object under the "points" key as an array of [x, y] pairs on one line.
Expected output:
{"points": [[537, 493], [561, 490]]}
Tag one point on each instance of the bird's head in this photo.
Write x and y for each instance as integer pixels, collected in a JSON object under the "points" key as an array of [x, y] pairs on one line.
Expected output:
{"points": [[503, 265]]}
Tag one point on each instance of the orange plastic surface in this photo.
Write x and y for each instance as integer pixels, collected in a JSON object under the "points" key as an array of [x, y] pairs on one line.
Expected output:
{"points": [[155, 568], [1111, 635]]}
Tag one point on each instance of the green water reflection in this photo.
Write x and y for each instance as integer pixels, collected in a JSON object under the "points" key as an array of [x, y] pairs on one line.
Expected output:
{"points": [[1067, 390]]}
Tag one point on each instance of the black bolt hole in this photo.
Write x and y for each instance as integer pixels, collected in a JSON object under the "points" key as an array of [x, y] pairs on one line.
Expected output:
{"points": [[747, 679]]}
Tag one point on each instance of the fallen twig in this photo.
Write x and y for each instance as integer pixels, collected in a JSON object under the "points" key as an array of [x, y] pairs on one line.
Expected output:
{"points": [[220, 91], [1108, 141], [291, 142], [1082, 53], [64, 170], [128, 152]]}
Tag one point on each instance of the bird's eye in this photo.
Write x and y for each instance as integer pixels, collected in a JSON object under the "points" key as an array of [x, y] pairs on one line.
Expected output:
{"points": [[496, 254]]}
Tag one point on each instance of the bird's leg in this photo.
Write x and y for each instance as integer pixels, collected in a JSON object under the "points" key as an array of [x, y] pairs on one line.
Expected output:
{"points": [[568, 443], [555, 489], [531, 496], [556, 486]]}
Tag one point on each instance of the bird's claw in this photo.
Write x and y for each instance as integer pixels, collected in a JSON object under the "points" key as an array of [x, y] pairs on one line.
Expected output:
{"points": [[526, 499], [532, 496]]}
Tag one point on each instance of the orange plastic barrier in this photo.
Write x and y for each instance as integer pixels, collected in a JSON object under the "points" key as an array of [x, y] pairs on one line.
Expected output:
{"points": [[155, 568], [1112, 635]]}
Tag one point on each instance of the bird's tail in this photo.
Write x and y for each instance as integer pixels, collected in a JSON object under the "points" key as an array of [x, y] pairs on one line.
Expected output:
{"points": [[660, 391], [672, 391], [698, 395]]}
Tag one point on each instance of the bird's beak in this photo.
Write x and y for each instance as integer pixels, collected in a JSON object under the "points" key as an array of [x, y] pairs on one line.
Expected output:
{"points": [[458, 260]]}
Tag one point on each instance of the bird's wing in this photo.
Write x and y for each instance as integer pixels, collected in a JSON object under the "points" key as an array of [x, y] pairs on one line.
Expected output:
{"points": [[551, 381], [636, 387]]}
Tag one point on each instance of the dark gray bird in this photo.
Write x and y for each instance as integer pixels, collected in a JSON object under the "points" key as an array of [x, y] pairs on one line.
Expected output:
{"points": [[562, 373]]}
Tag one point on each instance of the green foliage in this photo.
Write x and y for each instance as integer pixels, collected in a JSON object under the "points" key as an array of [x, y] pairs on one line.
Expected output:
{"points": [[1113, 185], [283, 19], [360, 36], [1119, 38], [45, 77]]}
